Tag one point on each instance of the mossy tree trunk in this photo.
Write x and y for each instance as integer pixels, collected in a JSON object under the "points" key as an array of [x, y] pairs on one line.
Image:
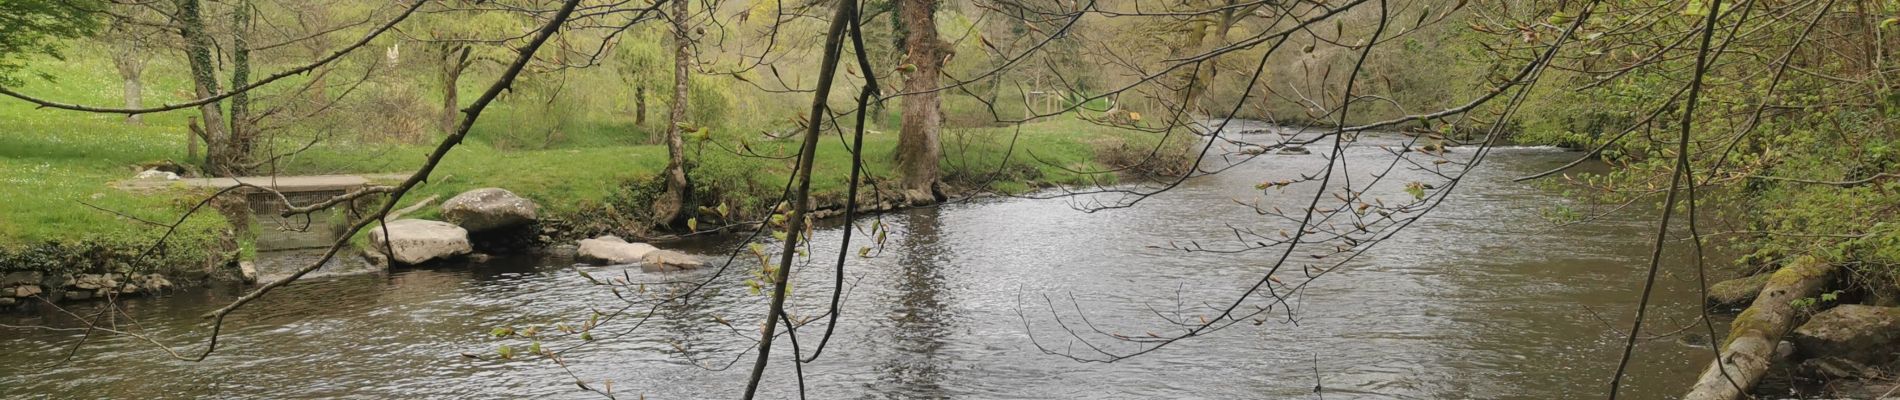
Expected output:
{"points": [[204, 83], [237, 156], [1752, 337], [917, 147]]}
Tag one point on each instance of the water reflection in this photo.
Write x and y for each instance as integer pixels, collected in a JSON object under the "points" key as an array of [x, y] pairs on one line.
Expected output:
{"points": [[1480, 300], [917, 325]]}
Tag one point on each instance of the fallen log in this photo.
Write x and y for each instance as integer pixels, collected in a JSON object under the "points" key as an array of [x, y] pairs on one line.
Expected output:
{"points": [[1752, 337]]}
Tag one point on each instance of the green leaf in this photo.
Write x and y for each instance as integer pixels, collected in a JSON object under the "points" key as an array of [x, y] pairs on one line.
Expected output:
{"points": [[1560, 18], [692, 225], [1417, 190], [506, 352]]}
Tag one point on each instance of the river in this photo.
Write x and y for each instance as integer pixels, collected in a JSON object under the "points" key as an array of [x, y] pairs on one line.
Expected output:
{"points": [[1484, 298]]}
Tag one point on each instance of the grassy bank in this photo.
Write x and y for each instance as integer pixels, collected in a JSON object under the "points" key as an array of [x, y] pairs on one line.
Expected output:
{"points": [[591, 170]]}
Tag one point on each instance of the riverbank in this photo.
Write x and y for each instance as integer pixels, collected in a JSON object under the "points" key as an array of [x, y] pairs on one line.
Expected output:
{"points": [[65, 216]]}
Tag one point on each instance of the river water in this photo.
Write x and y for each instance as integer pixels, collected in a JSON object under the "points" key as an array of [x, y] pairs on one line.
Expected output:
{"points": [[1484, 298]]}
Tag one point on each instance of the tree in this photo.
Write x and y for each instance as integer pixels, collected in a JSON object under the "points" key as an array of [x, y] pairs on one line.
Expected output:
{"points": [[191, 28], [667, 208], [640, 67], [454, 42], [917, 145], [127, 41]]}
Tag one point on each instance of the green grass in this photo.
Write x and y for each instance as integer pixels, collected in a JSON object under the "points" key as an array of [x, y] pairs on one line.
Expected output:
{"points": [[588, 163]]}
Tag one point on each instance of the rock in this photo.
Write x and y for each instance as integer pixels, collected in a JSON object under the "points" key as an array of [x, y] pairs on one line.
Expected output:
{"points": [[26, 291], [88, 282], [1832, 367], [1293, 150], [1784, 351], [129, 288], [247, 270], [668, 260], [1253, 150], [1737, 292], [612, 250], [153, 174], [156, 282], [415, 241], [1851, 332], [78, 294], [488, 208], [480, 257], [8, 301], [21, 278]]}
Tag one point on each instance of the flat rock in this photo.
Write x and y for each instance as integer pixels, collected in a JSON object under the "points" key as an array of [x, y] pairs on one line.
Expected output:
{"points": [[1853, 332], [668, 260], [415, 241], [610, 250], [488, 209]]}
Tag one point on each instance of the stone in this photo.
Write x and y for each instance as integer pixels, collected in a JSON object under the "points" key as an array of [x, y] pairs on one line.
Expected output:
{"points": [[155, 282], [1736, 293], [480, 257], [1253, 150], [415, 241], [1834, 367], [247, 270], [78, 294], [1851, 332], [153, 174], [489, 208], [26, 291], [129, 288], [88, 281], [8, 301], [22, 278], [1293, 150], [612, 250], [668, 260]]}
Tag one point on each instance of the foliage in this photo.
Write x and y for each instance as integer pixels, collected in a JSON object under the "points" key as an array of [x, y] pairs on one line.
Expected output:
{"points": [[35, 27]]}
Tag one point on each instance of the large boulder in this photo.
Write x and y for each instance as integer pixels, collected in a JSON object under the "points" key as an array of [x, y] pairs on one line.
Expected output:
{"points": [[1736, 293], [1860, 333], [415, 241], [612, 250], [488, 208], [668, 260]]}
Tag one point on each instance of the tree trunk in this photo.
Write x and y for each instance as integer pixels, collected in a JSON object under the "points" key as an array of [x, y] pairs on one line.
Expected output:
{"points": [[127, 59], [238, 155], [1754, 334], [917, 145], [194, 135], [666, 209], [204, 82], [454, 62], [640, 105]]}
